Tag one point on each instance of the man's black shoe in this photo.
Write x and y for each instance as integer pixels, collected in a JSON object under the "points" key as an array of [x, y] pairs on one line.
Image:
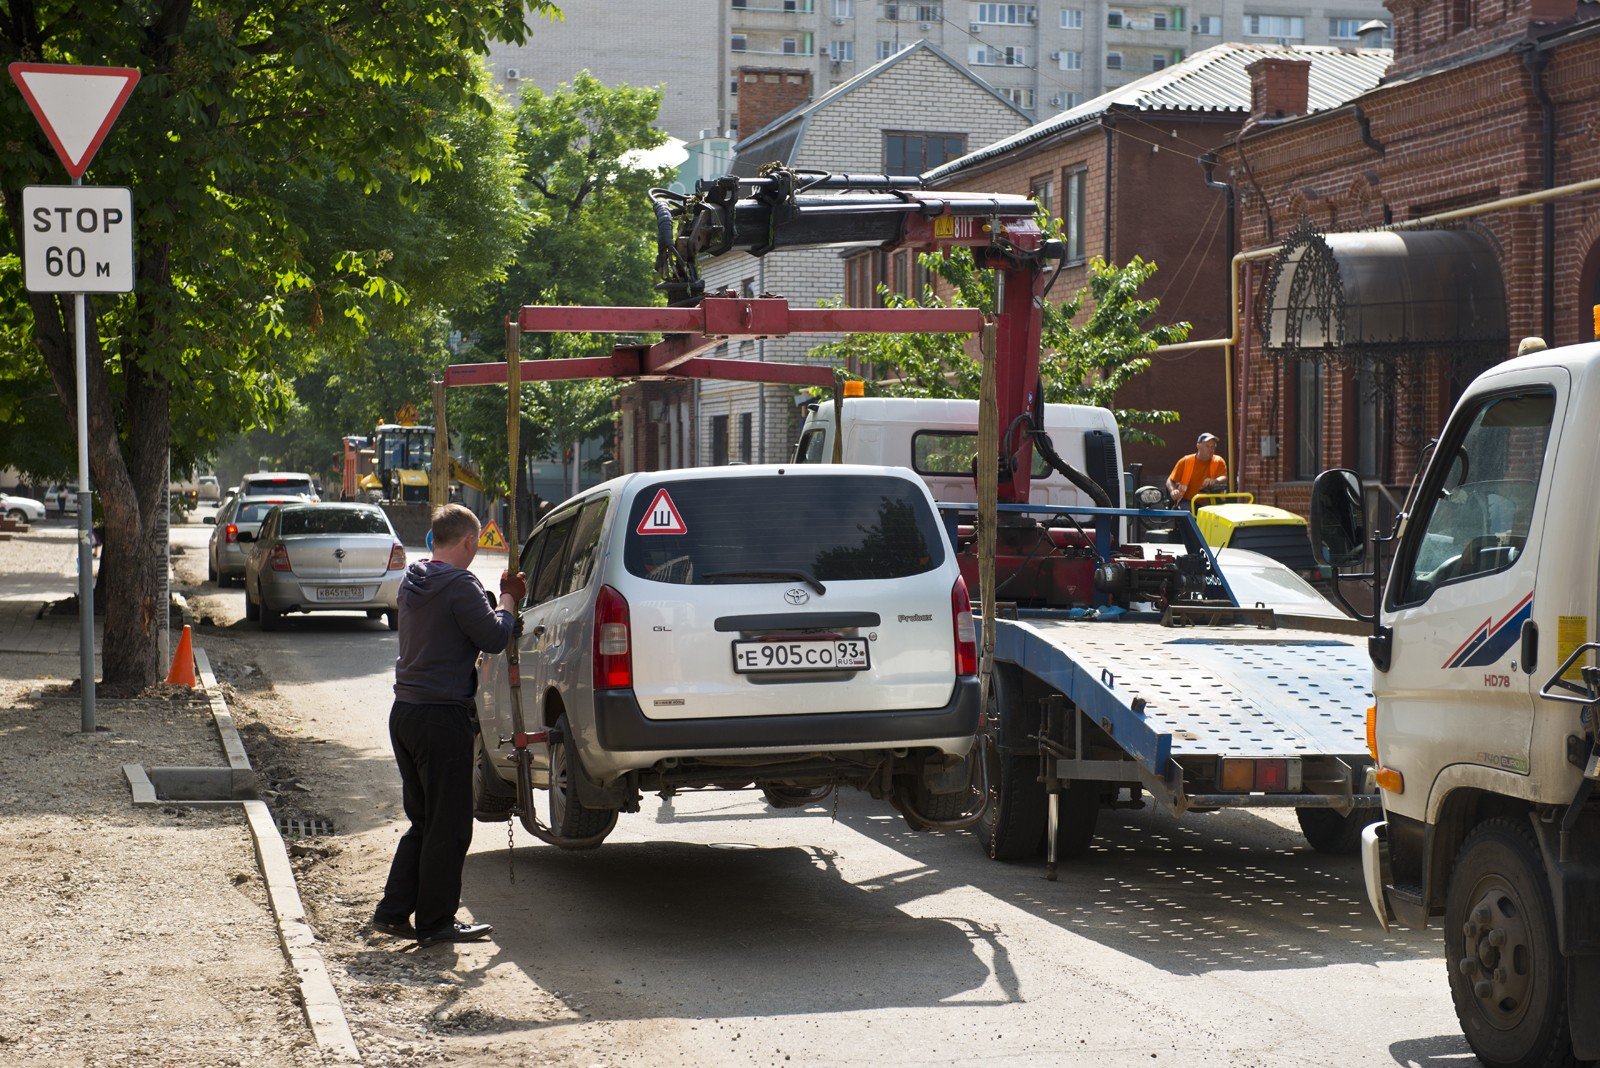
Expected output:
{"points": [[456, 932], [403, 929]]}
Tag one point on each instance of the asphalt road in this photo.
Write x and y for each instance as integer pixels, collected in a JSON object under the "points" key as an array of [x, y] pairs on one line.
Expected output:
{"points": [[711, 931]]}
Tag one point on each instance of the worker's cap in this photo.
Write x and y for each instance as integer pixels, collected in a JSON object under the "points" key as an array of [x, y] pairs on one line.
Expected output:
{"points": [[1203, 438]]}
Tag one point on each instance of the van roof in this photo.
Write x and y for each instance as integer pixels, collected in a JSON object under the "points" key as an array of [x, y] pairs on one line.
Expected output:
{"points": [[934, 411]]}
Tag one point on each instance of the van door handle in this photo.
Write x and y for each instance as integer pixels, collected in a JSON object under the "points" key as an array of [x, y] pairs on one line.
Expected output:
{"points": [[1530, 647]]}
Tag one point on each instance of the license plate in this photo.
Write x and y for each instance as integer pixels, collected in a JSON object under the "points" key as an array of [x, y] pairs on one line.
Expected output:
{"points": [[341, 593], [829, 654]]}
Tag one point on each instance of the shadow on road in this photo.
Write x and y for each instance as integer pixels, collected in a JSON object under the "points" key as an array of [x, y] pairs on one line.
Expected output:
{"points": [[741, 930], [1443, 1051]]}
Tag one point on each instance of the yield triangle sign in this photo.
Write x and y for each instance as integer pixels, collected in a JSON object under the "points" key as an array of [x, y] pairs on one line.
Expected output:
{"points": [[662, 517], [75, 105]]}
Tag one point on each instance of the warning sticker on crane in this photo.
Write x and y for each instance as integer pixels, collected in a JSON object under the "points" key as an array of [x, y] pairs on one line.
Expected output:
{"points": [[662, 517], [491, 538]]}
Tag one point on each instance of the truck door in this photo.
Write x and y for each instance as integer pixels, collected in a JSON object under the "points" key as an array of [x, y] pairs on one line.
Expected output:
{"points": [[1463, 586]]}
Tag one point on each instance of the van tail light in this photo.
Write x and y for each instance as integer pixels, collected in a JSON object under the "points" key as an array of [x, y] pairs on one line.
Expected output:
{"points": [[280, 559], [966, 632], [231, 532], [397, 557], [613, 661]]}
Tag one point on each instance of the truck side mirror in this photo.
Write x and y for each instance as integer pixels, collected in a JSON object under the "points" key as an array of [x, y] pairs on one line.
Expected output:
{"points": [[1338, 519]]}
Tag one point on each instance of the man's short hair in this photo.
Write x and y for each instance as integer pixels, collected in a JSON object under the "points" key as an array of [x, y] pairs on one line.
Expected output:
{"points": [[453, 522]]}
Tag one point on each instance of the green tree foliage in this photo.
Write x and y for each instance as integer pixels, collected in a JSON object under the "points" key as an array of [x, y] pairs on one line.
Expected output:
{"points": [[272, 151], [590, 241], [1090, 346]]}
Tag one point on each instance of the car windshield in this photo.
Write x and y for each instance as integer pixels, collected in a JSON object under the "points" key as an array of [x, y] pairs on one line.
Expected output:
{"points": [[775, 528], [298, 521]]}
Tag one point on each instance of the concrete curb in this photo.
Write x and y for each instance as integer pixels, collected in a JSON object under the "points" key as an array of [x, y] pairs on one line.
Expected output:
{"points": [[320, 1002]]}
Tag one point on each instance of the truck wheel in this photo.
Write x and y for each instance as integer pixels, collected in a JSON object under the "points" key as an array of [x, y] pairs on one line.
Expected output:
{"points": [[1080, 811], [569, 818], [1507, 974], [492, 797], [1329, 832], [1012, 827]]}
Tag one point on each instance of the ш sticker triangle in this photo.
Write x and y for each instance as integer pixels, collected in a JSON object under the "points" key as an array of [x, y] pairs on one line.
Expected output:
{"points": [[75, 105], [662, 517]]}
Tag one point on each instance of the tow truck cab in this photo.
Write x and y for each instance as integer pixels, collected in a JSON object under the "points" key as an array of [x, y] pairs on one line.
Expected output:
{"points": [[1482, 730]]}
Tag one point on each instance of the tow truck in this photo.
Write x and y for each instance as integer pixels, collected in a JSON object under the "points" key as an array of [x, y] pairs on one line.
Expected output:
{"points": [[1486, 724], [1114, 671]]}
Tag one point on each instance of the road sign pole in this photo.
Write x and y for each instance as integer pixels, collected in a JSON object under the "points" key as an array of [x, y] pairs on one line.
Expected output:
{"points": [[85, 524]]}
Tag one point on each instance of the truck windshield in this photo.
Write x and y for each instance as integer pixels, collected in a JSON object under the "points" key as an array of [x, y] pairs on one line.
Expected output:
{"points": [[748, 530]]}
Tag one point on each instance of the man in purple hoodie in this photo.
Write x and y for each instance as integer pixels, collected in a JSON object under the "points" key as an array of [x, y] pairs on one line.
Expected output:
{"points": [[446, 619]]}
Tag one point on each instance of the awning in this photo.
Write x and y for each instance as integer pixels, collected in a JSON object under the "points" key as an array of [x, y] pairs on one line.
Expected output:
{"points": [[1361, 299]]}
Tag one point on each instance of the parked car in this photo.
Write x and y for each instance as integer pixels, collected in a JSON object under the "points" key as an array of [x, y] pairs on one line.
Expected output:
{"points": [[210, 489], [226, 554], [794, 628], [52, 494], [323, 558], [278, 484], [22, 509]]}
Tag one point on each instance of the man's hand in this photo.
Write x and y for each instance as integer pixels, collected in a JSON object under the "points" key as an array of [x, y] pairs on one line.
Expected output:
{"points": [[514, 586]]}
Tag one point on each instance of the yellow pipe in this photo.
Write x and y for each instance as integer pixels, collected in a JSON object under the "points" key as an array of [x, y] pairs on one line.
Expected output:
{"points": [[1231, 342]]}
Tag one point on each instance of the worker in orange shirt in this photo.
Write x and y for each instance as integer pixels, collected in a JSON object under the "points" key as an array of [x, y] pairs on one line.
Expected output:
{"points": [[1202, 471]]}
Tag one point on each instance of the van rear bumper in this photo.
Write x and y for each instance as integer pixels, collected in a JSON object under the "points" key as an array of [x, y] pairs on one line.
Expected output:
{"points": [[622, 726]]}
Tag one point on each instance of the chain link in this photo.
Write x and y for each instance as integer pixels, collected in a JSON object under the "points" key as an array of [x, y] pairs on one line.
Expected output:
{"points": [[511, 844]]}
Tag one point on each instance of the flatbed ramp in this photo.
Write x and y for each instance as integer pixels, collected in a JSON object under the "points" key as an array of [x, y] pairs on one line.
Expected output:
{"points": [[1221, 691]]}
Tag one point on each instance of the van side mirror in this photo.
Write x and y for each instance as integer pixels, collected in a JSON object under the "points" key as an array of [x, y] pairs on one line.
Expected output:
{"points": [[1338, 519]]}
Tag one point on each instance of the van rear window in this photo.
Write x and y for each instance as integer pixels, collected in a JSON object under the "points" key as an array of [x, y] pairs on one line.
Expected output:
{"points": [[255, 487], [774, 528]]}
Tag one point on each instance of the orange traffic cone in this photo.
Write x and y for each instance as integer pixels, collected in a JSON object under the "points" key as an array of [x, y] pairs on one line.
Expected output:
{"points": [[182, 673]]}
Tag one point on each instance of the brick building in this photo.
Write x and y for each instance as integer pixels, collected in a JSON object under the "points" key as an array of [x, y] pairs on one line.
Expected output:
{"points": [[1484, 101], [1123, 173]]}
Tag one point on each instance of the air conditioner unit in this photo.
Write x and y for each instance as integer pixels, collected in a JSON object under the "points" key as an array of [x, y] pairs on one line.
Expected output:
{"points": [[974, 27], [1055, 101], [1033, 18], [925, 27], [1055, 57], [838, 22], [512, 74]]}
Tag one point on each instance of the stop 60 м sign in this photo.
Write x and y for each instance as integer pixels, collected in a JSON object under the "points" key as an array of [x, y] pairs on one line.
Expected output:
{"points": [[77, 239]]}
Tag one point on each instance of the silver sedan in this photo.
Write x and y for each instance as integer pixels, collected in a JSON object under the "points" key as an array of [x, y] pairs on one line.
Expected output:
{"points": [[323, 558]]}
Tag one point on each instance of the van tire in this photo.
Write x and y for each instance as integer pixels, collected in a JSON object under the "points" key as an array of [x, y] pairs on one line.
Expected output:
{"points": [[1499, 884], [1335, 834], [569, 817], [1013, 824], [493, 799]]}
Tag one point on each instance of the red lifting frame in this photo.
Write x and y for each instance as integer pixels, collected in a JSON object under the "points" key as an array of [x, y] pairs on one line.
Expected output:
{"points": [[693, 330]]}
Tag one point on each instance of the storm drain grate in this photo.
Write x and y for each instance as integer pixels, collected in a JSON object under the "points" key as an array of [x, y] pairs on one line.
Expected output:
{"points": [[304, 826]]}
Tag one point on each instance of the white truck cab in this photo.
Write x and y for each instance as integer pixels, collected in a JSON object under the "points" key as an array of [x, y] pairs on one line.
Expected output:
{"points": [[1486, 761]]}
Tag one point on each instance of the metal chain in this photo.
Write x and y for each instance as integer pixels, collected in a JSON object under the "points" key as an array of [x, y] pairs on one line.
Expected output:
{"points": [[836, 803], [511, 843]]}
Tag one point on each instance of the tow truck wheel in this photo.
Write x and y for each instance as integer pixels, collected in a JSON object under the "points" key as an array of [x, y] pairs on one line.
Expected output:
{"points": [[1507, 975], [492, 797], [569, 817], [1012, 827], [1080, 811], [1329, 832]]}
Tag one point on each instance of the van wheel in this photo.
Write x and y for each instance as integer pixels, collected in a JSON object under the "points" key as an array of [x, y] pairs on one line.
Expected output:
{"points": [[569, 818], [1333, 834], [269, 616], [1013, 825], [1507, 974], [492, 797], [211, 571]]}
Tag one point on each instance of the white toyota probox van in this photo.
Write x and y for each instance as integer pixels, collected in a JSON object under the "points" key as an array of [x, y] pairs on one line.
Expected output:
{"points": [[790, 627]]}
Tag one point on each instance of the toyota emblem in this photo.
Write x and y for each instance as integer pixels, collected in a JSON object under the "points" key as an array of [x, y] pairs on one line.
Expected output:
{"points": [[338, 554], [796, 596]]}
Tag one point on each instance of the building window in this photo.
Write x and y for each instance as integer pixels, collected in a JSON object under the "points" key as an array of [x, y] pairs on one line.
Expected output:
{"points": [[844, 9], [1076, 186], [804, 7], [887, 49], [791, 47], [1210, 25], [1074, 99], [1343, 29], [842, 51], [1072, 18], [740, 4], [1307, 419], [738, 42], [900, 273], [747, 288], [1113, 61], [733, 86], [1043, 192], [913, 153], [1158, 21], [1158, 62], [929, 13], [1071, 60], [719, 441], [1284, 27], [1375, 430], [1114, 20], [998, 56], [860, 281], [1005, 14], [746, 436], [1023, 98]]}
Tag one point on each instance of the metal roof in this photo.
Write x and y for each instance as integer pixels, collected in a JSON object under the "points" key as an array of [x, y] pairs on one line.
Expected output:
{"points": [[1213, 81]]}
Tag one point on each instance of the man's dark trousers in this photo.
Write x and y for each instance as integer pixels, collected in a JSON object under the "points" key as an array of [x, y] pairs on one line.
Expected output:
{"points": [[433, 744]]}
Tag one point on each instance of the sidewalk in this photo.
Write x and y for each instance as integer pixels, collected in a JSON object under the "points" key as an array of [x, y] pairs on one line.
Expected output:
{"points": [[134, 936]]}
